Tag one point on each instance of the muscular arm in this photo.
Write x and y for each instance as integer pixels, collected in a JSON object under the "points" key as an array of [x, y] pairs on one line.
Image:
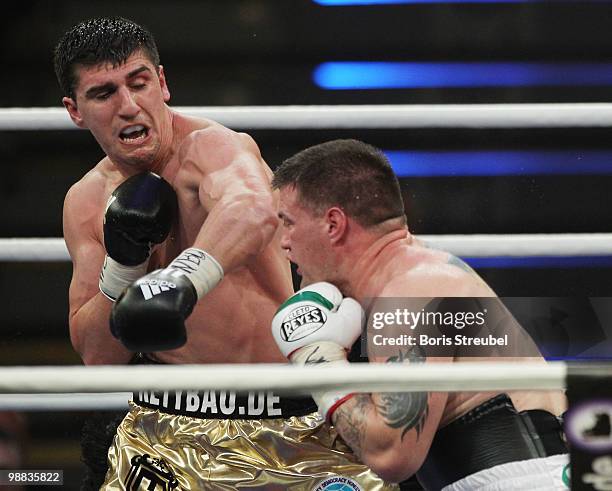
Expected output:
{"points": [[89, 309], [235, 191], [391, 432]]}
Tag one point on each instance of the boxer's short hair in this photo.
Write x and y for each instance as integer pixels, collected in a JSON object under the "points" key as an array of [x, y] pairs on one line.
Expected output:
{"points": [[100, 40], [350, 174]]}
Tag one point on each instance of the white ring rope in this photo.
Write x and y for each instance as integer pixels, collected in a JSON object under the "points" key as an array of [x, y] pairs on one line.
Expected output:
{"points": [[33, 249], [543, 115], [52, 387], [477, 245], [110, 401], [286, 379]]}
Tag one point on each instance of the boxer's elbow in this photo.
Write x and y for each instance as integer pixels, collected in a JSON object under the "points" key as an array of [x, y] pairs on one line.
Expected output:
{"points": [[77, 339], [101, 357], [88, 355], [393, 464], [93, 358], [96, 350], [391, 471]]}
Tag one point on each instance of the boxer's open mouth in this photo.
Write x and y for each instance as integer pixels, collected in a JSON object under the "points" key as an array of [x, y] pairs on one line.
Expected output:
{"points": [[134, 133]]}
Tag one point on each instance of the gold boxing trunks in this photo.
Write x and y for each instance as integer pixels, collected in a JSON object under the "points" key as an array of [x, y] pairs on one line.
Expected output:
{"points": [[196, 441]]}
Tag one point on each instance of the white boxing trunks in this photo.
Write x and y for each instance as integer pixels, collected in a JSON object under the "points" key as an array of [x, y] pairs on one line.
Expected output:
{"points": [[543, 474]]}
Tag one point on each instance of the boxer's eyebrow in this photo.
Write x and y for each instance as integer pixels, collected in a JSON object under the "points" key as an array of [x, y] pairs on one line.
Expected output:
{"points": [[92, 92], [138, 70]]}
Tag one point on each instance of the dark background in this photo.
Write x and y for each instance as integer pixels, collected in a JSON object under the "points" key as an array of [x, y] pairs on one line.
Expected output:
{"points": [[262, 52]]}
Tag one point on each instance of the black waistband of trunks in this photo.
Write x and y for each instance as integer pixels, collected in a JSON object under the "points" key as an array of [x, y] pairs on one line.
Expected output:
{"points": [[212, 404], [491, 434]]}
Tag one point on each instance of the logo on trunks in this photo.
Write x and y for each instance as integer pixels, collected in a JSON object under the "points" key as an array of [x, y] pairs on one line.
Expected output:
{"points": [[150, 288], [338, 483], [210, 403], [301, 322], [151, 474]]}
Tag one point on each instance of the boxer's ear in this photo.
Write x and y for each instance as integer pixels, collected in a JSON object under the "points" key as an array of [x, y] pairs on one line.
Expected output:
{"points": [[73, 111], [336, 223], [163, 84]]}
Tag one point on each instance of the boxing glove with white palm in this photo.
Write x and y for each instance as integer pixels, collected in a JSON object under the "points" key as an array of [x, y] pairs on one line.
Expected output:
{"points": [[317, 325]]}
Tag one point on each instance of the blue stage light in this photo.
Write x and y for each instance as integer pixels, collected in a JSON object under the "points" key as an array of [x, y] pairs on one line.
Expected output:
{"points": [[449, 163], [555, 262], [351, 75]]}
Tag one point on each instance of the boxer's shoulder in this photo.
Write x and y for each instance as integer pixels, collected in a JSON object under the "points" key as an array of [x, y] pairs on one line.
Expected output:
{"points": [[215, 145], [445, 275], [429, 279], [98, 182], [183, 125], [86, 199]]}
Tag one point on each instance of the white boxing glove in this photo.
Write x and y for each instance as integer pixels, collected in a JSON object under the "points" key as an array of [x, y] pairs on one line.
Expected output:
{"points": [[317, 325], [313, 314]]}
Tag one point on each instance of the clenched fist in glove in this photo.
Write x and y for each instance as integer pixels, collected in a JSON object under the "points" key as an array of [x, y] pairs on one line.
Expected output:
{"points": [[318, 325], [139, 214], [150, 314]]}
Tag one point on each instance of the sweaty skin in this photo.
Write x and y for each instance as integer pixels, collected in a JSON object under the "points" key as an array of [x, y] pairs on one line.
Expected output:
{"points": [[399, 265], [225, 208], [390, 432]]}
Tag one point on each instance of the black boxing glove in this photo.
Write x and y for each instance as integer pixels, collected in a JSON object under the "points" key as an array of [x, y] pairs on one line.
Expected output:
{"points": [[150, 314], [139, 213]]}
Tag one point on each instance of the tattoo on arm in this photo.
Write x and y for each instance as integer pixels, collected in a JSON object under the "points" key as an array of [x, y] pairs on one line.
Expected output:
{"points": [[405, 410], [352, 423]]}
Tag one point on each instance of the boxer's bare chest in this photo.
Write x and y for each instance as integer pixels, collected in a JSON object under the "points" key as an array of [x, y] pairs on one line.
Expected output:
{"points": [[237, 313], [189, 220]]}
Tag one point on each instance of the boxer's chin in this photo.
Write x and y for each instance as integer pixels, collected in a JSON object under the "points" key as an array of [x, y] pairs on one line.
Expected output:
{"points": [[139, 156]]}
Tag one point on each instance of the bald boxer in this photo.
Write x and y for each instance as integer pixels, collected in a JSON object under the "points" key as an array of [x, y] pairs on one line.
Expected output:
{"points": [[344, 226], [176, 260]]}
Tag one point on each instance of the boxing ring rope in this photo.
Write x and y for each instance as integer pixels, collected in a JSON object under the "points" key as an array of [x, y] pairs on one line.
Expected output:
{"points": [[541, 115], [477, 245], [51, 387], [86, 388], [78, 401]]}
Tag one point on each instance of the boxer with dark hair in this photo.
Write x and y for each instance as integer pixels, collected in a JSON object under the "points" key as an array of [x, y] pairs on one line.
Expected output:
{"points": [[343, 225], [176, 258]]}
